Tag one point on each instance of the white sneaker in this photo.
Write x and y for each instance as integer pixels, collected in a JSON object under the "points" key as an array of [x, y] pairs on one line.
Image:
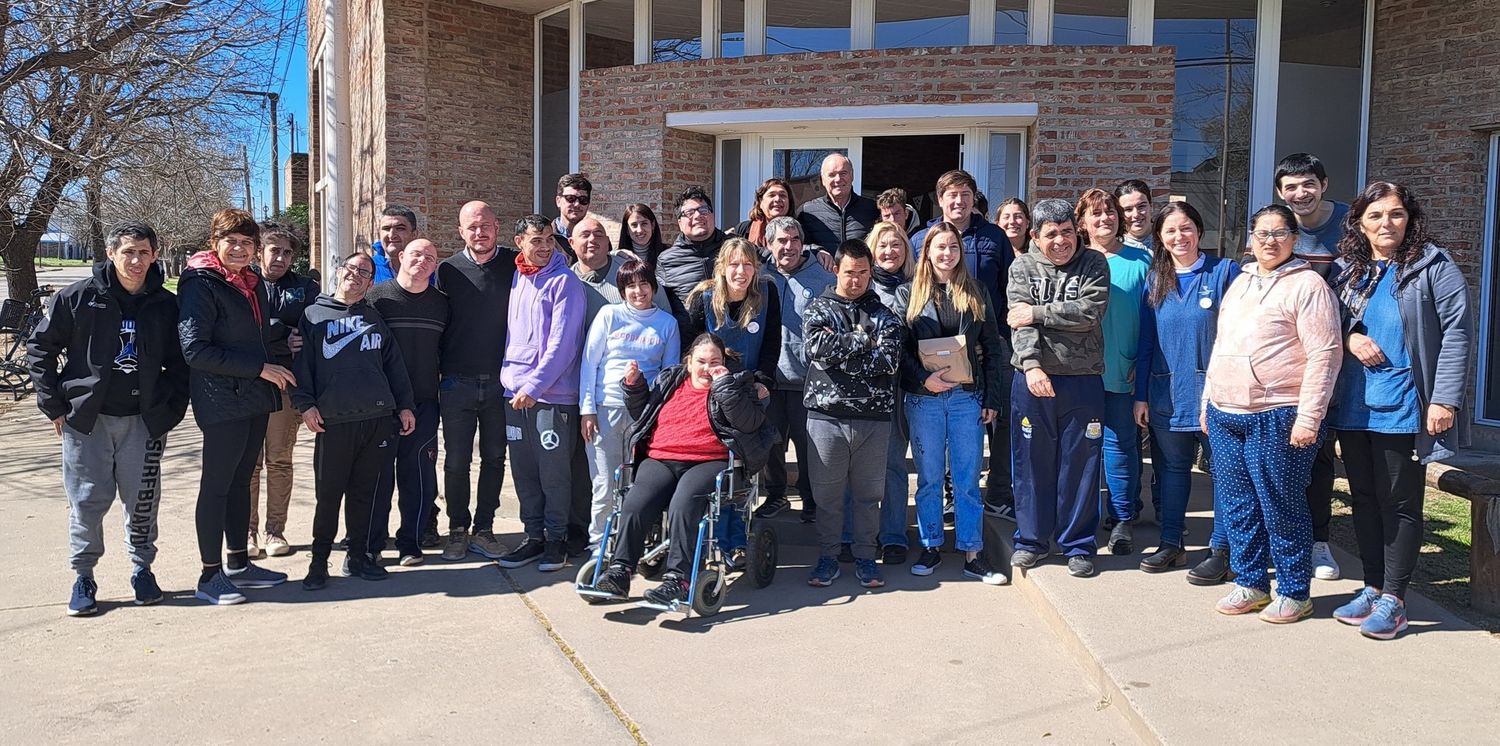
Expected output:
{"points": [[1325, 567], [252, 547], [277, 545]]}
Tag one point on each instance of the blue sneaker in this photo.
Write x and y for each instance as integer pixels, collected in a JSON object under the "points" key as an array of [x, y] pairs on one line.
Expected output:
{"points": [[253, 576], [826, 571], [82, 602], [868, 573], [1387, 620], [219, 591], [147, 592], [1358, 608]]}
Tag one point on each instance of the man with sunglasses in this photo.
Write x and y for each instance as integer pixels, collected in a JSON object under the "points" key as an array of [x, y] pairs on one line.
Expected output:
{"points": [[574, 193], [350, 381]]}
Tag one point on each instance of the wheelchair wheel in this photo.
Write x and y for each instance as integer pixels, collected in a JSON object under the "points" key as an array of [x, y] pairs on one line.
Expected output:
{"points": [[585, 579], [761, 561], [708, 595]]}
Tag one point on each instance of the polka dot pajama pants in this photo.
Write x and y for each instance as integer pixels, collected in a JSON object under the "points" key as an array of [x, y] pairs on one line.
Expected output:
{"points": [[1260, 489]]}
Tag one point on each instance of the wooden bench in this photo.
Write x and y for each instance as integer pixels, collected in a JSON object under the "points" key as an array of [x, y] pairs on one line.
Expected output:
{"points": [[1483, 495]]}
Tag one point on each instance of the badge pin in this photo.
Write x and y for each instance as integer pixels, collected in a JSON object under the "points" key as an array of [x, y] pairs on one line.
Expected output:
{"points": [[1205, 302], [753, 328]]}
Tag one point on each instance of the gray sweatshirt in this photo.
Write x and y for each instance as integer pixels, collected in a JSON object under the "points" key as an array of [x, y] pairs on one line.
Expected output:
{"points": [[797, 291], [1067, 336]]}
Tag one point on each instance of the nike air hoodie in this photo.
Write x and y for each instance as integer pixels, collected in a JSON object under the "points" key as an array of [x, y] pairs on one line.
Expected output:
{"points": [[350, 367]]}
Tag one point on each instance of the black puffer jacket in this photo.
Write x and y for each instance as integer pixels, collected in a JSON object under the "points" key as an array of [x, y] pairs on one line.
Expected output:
{"points": [[683, 265], [85, 323], [226, 346], [734, 412]]}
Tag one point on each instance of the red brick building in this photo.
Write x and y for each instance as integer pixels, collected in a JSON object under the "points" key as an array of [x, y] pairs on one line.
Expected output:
{"points": [[431, 103]]}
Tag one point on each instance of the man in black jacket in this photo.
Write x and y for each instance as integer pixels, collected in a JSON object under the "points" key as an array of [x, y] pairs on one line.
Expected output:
{"points": [[690, 259], [124, 386], [289, 294], [350, 380], [840, 214]]}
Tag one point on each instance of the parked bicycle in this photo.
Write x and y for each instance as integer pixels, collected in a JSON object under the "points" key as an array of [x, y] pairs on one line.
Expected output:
{"points": [[18, 319]]}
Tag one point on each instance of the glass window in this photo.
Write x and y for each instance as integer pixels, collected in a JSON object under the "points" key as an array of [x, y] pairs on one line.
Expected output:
{"points": [[1097, 21], [729, 210], [1007, 172], [1212, 112], [936, 23], [1489, 365], [676, 30], [794, 26], [731, 28], [803, 169], [608, 34], [1322, 59], [552, 113], [1011, 21]]}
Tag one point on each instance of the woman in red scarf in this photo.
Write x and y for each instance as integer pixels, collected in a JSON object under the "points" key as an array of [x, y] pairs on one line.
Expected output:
{"points": [[224, 328]]}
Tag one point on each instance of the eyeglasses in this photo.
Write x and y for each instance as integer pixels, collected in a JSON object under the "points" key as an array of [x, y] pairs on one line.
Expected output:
{"points": [[358, 270], [688, 212], [1275, 235], [575, 199]]}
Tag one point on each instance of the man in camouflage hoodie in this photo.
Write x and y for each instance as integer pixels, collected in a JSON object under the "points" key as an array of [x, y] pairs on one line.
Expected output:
{"points": [[853, 345]]}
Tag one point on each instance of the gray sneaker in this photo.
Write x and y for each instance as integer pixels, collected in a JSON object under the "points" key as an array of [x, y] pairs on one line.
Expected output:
{"points": [[1080, 566], [483, 542], [1026, 559], [458, 545], [1121, 539]]}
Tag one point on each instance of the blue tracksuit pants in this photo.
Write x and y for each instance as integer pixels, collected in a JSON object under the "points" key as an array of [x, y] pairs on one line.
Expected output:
{"points": [[1056, 442], [1260, 485]]}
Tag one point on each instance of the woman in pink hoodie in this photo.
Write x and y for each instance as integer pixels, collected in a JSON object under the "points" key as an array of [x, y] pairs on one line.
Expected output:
{"points": [[1266, 392]]}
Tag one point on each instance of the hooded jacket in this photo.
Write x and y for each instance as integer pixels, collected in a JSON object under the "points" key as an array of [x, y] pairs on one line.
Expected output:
{"points": [[544, 339], [1279, 344], [796, 292], [683, 265], [854, 350], [1066, 336], [290, 295], [988, 254], [1437, 322], [84, 323], [350, 366], [226, 339], [734, 412]]}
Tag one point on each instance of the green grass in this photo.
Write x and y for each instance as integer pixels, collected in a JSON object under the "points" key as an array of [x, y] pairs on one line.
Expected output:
{"points": [[50, 262], [171, 283], [1442, 573]]}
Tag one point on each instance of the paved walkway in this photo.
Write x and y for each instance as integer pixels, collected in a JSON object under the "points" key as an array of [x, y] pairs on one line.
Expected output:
{"points": [[466, 651]]}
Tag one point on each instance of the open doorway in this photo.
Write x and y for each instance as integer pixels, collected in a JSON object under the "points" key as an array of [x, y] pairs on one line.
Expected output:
{"points": [[911, 162]]}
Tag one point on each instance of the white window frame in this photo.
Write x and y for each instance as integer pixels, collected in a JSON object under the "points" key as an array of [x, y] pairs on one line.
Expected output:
{"points": [[771, 143], [1488, 287]]}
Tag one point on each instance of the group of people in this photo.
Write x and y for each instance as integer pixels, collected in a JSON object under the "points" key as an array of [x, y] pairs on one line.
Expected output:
{"points": [[842, 327]]}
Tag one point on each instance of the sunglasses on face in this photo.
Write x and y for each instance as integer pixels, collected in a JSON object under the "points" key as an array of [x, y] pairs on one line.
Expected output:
{"points": [[575, 199]]}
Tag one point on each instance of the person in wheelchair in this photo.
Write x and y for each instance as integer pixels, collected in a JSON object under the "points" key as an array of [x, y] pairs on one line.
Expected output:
{"points": [[685, 427]]}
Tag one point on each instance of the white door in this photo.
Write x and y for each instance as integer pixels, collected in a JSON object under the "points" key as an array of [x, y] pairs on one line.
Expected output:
{"points": [[800, 161]]}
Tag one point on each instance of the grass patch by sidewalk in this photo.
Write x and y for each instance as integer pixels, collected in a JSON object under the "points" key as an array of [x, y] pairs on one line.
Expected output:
{"points": [[51, 262], [1442, 572]]}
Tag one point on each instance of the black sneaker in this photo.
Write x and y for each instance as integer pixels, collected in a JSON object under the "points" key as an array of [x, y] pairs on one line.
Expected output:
{"points": [[893, 554], [1003, 511], [980, 569], [554, 556], [1080, 566], [364, 567], [317, 576], [430, 538], [809, 512], [929, 561], [774, 506], [615, 581], [530, 551], [673, 589], [1213, 570], [846, 554], [1121, 539]]}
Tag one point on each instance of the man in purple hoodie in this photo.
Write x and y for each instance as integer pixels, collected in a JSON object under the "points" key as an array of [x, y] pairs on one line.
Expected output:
{"points": [[543, 344]]}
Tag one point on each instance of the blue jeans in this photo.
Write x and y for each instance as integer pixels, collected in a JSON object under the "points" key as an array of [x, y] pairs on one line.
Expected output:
{"points": [[1173, 469], [897, 488], [1122, 458], [946, 434]]}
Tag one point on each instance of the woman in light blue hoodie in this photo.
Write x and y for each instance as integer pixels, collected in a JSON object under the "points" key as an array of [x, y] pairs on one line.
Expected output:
{"points": [[632, 331]]}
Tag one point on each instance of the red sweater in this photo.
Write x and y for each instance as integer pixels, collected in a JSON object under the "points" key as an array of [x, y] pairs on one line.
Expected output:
{"points": [[683, 432]]}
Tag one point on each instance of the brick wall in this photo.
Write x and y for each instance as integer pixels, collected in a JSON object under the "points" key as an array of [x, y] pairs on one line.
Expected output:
{"points": [[1104, 113], [296, 178], [441, 100], [1434, 101]]}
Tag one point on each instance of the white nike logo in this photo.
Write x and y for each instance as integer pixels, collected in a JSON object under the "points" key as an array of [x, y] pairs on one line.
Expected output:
{"points": [[332, 348]]}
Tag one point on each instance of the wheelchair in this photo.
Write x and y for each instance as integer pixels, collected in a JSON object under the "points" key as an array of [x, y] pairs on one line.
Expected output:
{"points": [[707, 585]]}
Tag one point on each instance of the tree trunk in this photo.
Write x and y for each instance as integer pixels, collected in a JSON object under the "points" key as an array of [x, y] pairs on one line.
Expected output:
{"points": [[93, 197], [19, 251]]}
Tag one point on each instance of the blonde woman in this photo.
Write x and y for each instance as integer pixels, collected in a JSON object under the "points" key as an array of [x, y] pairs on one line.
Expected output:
{"points": [[891, 280]]}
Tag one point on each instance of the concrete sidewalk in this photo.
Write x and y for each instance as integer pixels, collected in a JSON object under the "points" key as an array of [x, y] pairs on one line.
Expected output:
{"points": [[465, 651]]}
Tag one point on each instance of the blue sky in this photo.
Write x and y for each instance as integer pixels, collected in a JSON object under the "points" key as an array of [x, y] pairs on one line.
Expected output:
{"points": [[289, 79]]}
